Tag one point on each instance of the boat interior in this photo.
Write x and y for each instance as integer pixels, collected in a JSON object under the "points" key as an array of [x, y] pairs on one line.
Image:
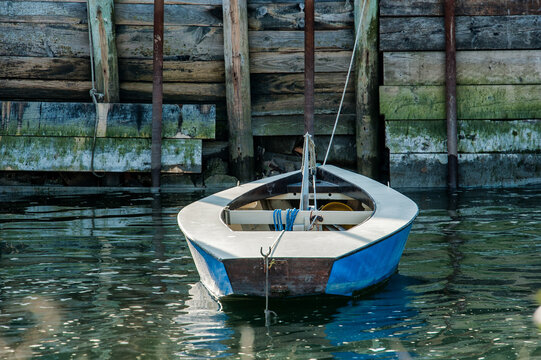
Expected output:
{"points": [[335, 205]]}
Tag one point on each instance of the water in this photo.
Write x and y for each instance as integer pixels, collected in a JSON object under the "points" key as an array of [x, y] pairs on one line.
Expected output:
{"points": [[107, 275]]}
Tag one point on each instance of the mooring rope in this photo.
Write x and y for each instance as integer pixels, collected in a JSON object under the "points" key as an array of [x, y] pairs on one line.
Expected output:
{"points": [[94, 94], [347, 81]]}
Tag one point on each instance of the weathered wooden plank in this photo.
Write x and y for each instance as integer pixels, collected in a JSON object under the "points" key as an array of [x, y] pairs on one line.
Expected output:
{"points": [[328, 62], [174, 14], [14, 67], [120, 120], [473, 67], [474, 136], [206, 43], [474, 102], [294, 125], [30, 153], [174, 92], [47, 40], [475, 170], [293, 104], [173, 71], [366, 82], [42, 12], [472, 33], [294, 83], [44, 90], [261, 41], [102, 26], [282, 16], [463, 7]]}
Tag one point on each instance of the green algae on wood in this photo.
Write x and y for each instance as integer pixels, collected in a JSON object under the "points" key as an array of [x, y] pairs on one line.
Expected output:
{"points": [[28, 153], [474, 136], [473, 102], [123, 120]]}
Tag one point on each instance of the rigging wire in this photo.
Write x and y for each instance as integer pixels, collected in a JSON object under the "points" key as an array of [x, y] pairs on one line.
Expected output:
{"points": [[347, 81]]}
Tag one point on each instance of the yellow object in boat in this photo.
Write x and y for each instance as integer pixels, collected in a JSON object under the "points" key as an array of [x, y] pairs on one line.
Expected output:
{"points": [[337, 206]]}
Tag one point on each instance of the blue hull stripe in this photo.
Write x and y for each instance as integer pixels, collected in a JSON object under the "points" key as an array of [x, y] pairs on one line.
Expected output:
{"points": [[368, 266], [211, 270]]}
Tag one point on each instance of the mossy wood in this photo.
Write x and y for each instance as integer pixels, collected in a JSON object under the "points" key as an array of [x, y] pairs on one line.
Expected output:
{"points": [[473, 102], [294, 125], [472, 33], [31, 153], [473, 67], [474, 136], [463, 7], [475, 170], [119, 120]]}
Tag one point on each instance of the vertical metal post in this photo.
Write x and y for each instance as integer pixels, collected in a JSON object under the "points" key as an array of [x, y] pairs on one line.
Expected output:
{"points": [[309, 67], [450, 95], [157, 95]]}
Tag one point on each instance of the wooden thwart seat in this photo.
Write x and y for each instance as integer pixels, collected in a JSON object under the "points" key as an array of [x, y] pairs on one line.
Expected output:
{"points": [[257, 217]]}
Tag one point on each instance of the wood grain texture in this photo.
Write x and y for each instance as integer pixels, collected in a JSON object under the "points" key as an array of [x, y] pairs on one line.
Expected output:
{"points": [[473, 102], [291, 41], [121, 120], [59, 90], [472, 33], [473, 67], [463, 7], [131, 70], [173, 92], [366, 80], [293, 104], [294, 83], [174, 14], [294, 125], [474, 136], [475, 170], [105, 57], [30, 153], [42, 12], [328, 62], [15, 67]]}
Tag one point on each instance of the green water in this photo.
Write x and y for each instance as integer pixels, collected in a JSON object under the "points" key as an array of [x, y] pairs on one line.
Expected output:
{"points": [[107, 275]]}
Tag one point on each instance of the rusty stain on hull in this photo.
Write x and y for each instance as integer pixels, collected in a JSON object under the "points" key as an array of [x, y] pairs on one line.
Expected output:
{"points": [[287, 277]]}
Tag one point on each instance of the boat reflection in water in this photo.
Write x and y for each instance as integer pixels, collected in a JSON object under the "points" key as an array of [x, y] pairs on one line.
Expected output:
{"points": [[371, 326]]}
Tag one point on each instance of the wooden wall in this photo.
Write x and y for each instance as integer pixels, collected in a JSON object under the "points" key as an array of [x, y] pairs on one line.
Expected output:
{"points": [[44, 56], [498, 92]]}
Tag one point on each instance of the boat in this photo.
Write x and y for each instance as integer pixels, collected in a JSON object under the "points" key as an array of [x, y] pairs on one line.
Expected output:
{"points": [[336, 251], [320, 230]]}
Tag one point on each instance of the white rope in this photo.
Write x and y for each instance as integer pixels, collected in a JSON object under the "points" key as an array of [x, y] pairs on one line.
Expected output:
{"points": [[347, 81]]}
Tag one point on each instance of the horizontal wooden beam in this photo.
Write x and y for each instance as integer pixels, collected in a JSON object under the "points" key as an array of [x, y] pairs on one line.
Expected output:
{"points": [[473, 102], [463, 7], [174, 92], [294, 125], [44, 68], [294, 83], [475, 170], [293, 104], [43, 12], [119, 120], [474, 136], [473, 67], [472, 33], [134, 70], [36, 153], [59, 90], [325, 61]]}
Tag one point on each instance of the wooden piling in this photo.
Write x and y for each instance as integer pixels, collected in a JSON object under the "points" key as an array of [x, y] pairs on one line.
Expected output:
{"points": [[366, 88], [237, 81], [157, 94], [102, 25], [450, 95]]}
